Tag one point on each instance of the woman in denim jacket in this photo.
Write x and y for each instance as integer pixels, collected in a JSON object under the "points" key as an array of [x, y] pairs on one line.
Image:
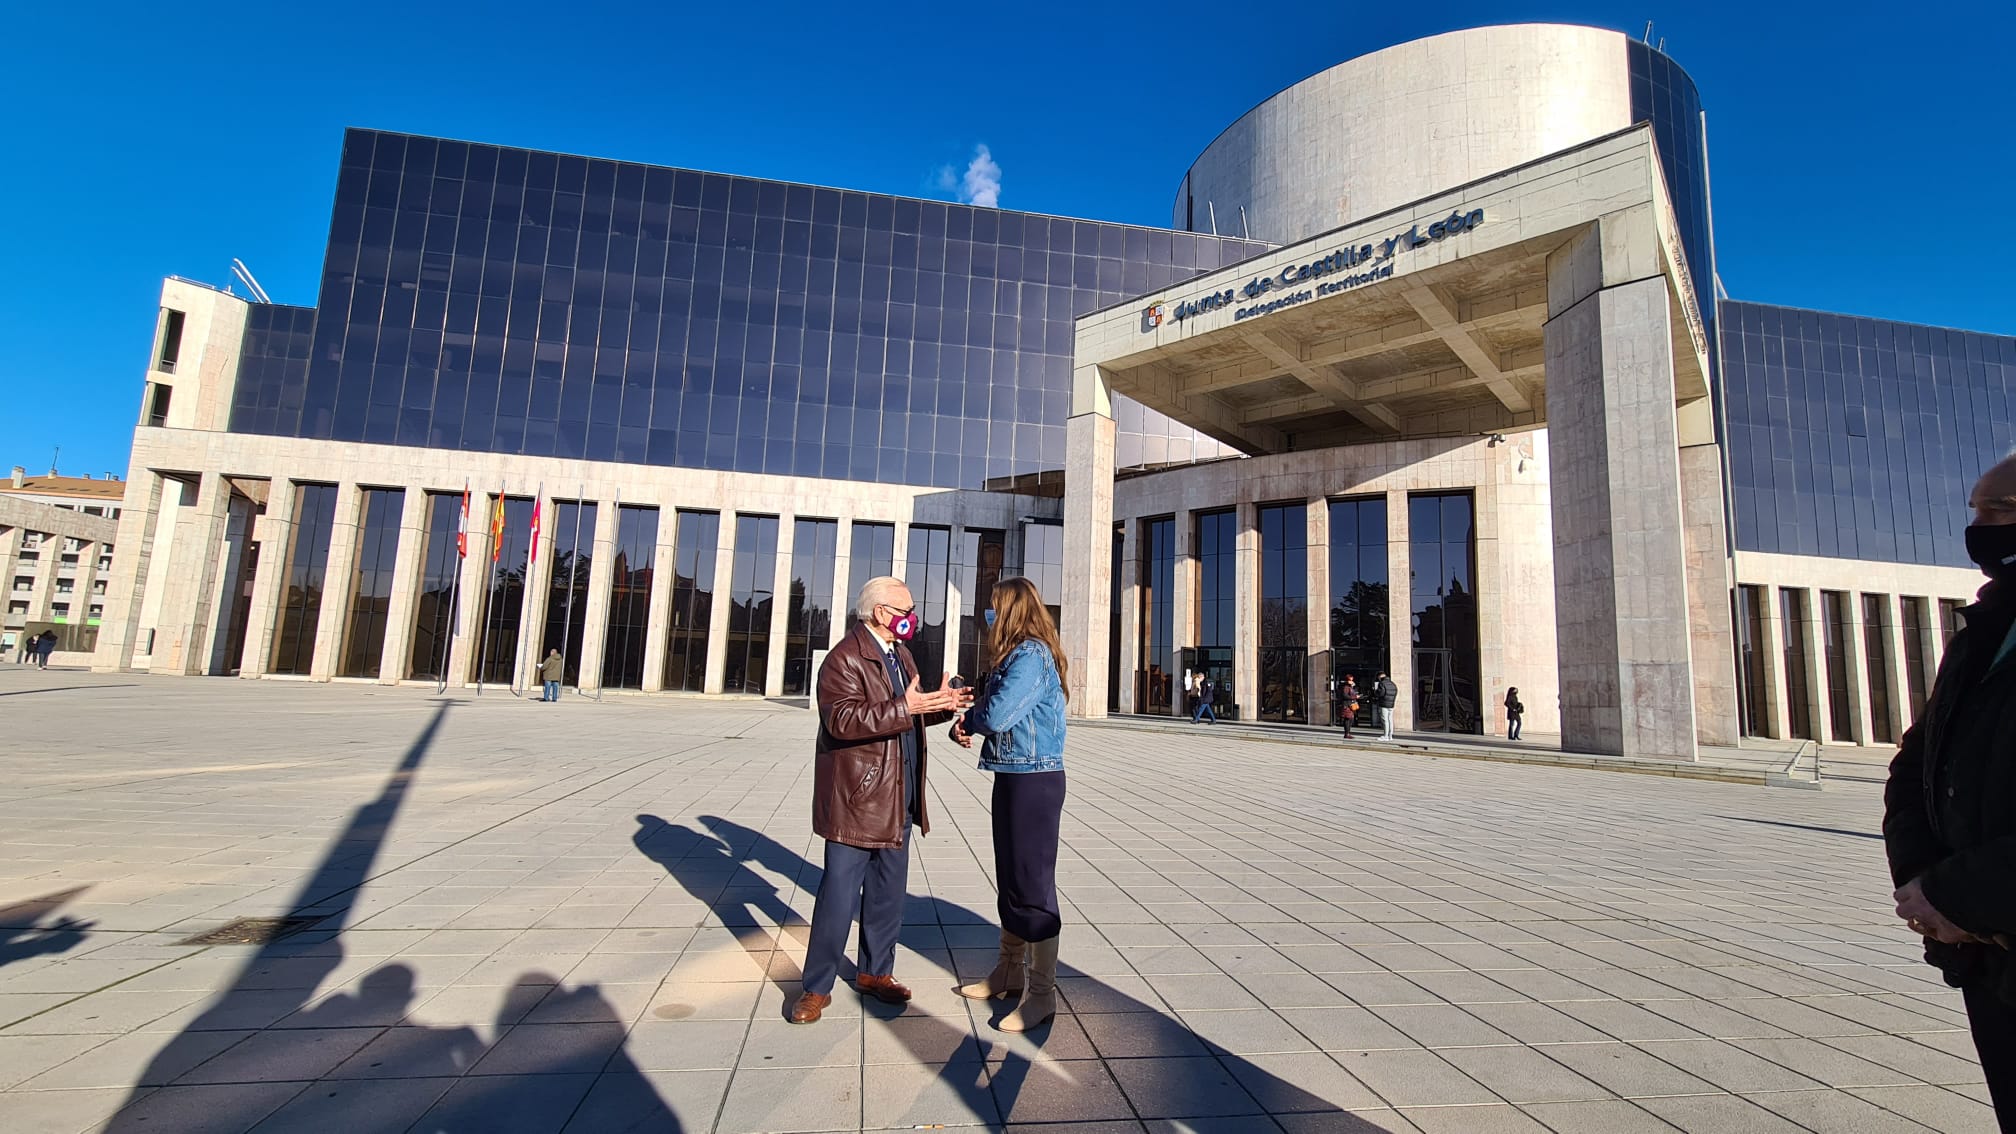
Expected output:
{"points": [[1021, 713]]}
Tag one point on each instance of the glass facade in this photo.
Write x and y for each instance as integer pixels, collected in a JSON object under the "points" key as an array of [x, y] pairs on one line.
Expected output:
{"points": [[272, 366], [929, 575], [1153, 686], [307, 564], [1798, 695], [1840, 695], [371, 581], [1859, 438], [808, 620], [982, 559], [630, 577], [1217, 607], [1284, 612], [1754, 705], [512, 301], [1358, 592], [1876, 667], [1664, 95], [1442, 547], [694, 543], [573, 531], [504, 608], [434, 624], [1917, 667], [751, 595], [871, 556], [1043, 564]]}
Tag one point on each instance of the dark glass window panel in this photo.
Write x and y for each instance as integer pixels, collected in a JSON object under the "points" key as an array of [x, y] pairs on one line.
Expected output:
{"points": [[1798, 687], [1447, 662], [1155, 681], [435, 617], [1359, 610], [572, 526], [503, 599], [1284, 612], [371, 581], [808, 626], [695, 541], [305, 578]]}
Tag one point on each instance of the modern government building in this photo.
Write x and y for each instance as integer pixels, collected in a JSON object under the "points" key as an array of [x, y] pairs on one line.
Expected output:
{"points": [[1429, 375]]}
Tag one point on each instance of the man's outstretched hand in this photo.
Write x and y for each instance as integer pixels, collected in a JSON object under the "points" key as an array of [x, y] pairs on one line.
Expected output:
{"points": [[945, 700]]}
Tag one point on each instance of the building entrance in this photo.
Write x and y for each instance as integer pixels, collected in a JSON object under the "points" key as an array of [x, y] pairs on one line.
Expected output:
{"points": [[1440, 705], [1284, 682]]}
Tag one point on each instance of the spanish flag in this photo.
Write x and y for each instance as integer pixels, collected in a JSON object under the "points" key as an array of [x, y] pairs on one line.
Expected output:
{"points": [[497, 529]]}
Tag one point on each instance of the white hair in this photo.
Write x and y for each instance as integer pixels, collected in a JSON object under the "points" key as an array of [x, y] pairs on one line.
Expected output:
{"points": [[873, 592]]}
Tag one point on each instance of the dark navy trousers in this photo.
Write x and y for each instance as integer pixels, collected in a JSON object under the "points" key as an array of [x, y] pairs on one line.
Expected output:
{"points": [[858, 883]]}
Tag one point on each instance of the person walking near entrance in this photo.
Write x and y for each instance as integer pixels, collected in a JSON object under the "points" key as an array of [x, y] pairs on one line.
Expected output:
{"points": [[1949, 809], [551, 672], [44, 647], [867, 792], [1207, 690], [1348, 704], [1515, 712], [1386, 695], [1021, 714]]}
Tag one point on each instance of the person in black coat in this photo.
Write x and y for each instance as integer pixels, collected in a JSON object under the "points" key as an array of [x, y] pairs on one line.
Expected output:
{"points": [[1949, 809], [1515, 712]]}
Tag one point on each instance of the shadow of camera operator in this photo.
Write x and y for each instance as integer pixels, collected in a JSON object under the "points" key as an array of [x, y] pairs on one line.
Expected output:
{"points": [[21, 937]]}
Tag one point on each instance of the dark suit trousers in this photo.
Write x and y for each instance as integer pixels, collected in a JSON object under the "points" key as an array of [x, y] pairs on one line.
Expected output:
{"points": [[858, 883], [1994, 1026]]}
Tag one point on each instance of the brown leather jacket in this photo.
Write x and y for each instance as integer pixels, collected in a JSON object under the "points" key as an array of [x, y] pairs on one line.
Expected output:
{"points": [[857, 774]]}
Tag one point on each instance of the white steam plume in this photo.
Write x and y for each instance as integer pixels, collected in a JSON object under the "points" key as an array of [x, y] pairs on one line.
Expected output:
{"points": [[982, 183]]}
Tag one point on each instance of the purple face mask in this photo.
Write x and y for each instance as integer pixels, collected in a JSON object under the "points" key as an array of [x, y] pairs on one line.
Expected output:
{"points": [[903, 627]]}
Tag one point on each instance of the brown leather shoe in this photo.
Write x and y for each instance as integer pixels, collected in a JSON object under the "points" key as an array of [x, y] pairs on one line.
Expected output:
{"points": [[883, 988], [808, 1008]]}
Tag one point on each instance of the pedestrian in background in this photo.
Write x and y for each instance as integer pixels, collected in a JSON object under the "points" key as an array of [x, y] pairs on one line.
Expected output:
{"points": [[1021, 713], [1949, 809], [1207, 690], [1386, 695], [1515, 712], [1348, 704], [551, 672], [45, 647]]}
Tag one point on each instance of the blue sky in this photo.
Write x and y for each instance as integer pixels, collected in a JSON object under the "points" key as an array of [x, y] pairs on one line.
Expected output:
{"points": [[1861, 152]]}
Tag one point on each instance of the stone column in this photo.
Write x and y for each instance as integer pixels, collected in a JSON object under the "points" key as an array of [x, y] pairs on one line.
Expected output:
{"points": [[537, 597], [1899, 685], [274, 533], [664, 571], [724, 600], [409, 563], [1321, 664], [1819, 698], [1770, 654], [1088, 540], [594, 615], [1246, 619], [1183, 629], [1716, 689], [189, 605], [473, 611], [132, 552], [1858, 671], [1624, 643], [339, 584], [843, 593], [1131, 660], [1400, 606], [955, 597], [899, 554], [780, 609]]}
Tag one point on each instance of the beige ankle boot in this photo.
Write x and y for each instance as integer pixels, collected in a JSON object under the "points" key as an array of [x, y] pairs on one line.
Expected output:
{"points": [[1006, 979], [1039, 1002]]}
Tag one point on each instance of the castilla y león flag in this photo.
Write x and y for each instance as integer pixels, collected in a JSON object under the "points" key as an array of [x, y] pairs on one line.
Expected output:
{"points": [[462, 525]]}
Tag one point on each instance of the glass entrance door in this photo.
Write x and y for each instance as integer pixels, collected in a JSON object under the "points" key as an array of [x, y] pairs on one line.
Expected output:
{"points": [[1284, 681], [1443, 702]]}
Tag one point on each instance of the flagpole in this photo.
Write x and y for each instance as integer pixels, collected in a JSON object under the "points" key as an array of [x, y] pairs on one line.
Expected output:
{"points": [[573, 572], [617, 526], [524, 589], [455, 589]]}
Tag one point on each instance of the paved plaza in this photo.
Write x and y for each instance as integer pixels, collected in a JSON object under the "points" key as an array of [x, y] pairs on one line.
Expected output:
{"points": [[541, 918]]}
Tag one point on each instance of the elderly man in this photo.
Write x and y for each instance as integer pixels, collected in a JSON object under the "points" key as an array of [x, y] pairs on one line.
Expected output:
{"points": [[1949, 815], [867, 791]]}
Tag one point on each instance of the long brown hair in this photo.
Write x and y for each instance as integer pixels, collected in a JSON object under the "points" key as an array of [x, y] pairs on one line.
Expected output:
{"points": [[1019, 615]]}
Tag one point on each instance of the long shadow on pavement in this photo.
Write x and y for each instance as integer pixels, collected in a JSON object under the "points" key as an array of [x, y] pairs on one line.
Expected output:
{"points": [[267, 1052], [22, 936], [1200, 1081]]}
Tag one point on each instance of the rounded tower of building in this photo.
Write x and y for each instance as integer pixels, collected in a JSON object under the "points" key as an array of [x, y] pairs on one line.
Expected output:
{"points": [[1409, 121]]}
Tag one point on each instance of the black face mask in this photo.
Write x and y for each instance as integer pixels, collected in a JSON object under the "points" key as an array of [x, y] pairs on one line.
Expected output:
{"points": [[1993, 548]]}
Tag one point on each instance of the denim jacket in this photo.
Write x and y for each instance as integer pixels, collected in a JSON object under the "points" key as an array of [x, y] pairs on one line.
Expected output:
{"points": [[1021, 713]]}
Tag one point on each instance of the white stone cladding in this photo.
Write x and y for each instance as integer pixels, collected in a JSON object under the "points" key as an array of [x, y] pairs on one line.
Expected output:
{"points": [[1400, 124]]}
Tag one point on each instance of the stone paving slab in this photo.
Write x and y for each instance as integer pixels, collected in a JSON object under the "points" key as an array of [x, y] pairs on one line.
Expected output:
{"points": [[591, 917]]}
